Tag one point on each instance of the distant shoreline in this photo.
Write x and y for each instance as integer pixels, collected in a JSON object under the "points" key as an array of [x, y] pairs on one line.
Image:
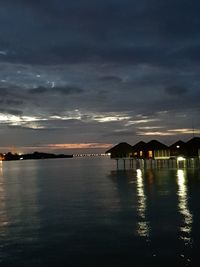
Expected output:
{"points": [[36, 155]]}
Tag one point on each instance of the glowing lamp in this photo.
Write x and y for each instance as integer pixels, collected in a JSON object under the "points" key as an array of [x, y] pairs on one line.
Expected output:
{"points": [[180, 158]]}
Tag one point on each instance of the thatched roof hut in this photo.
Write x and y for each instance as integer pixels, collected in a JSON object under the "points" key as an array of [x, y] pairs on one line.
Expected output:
{"points": [[177, 149], [193, 147], [157, 150], [139, 149], [155, 145], [122, 150]]}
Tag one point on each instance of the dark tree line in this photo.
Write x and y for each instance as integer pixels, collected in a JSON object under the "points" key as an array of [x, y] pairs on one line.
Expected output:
{"points": [[36, 155]]}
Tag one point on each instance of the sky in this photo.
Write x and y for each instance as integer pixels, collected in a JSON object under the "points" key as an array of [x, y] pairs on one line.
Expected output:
{"points": [[84, 75]]}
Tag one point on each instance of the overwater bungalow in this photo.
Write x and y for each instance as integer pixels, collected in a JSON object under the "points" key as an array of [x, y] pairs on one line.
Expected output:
{"points": [[155, 153], [139, 150], [178, 149], [193, 148], [157, 150], [151, 150], [122, 150]]}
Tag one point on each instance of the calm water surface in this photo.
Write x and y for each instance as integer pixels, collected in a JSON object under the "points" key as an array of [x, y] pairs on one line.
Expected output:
{"points": [[85, 212]]}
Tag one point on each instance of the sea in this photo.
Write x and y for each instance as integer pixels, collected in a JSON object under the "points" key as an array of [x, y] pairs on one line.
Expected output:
{"points": [[87, 212]]}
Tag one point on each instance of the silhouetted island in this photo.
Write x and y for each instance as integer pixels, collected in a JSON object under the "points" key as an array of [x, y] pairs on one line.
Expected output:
{"points": [[35, 155]]}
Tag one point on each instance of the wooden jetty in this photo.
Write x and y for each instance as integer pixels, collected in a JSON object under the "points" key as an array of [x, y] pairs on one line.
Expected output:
{"points": [[155, 154], [132, 163]]}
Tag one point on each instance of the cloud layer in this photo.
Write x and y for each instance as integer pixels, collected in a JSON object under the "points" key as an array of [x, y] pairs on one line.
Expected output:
{"points": [[98, 71]]}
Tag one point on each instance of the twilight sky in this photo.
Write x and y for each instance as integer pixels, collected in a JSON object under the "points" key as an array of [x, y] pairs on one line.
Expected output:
{"points": [[92, 73]]}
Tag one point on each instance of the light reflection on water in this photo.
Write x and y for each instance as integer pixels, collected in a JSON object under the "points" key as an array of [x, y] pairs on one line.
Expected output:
{"points": [[19, 214], [187, 218], [143, 227], [77, 211], [3, 211]]}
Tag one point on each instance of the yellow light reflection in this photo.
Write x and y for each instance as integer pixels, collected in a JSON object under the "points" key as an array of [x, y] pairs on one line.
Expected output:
{"points": [[1, 168], [143, 227], [186, 227], [3, 217]]}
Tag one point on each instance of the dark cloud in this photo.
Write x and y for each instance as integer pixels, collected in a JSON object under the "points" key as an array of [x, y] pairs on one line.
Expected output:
{"points": [[14, 102], [39, 90], [120, 133], [90, 70], [11, 112], [133, 32], [111, 79], [176, 90], [4, 92], [66, 90], [9, 97], [186, 104], [189, 53]]}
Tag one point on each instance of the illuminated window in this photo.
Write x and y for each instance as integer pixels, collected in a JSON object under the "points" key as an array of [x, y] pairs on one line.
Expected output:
{"points": [[150, 153], [141, 153]]}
